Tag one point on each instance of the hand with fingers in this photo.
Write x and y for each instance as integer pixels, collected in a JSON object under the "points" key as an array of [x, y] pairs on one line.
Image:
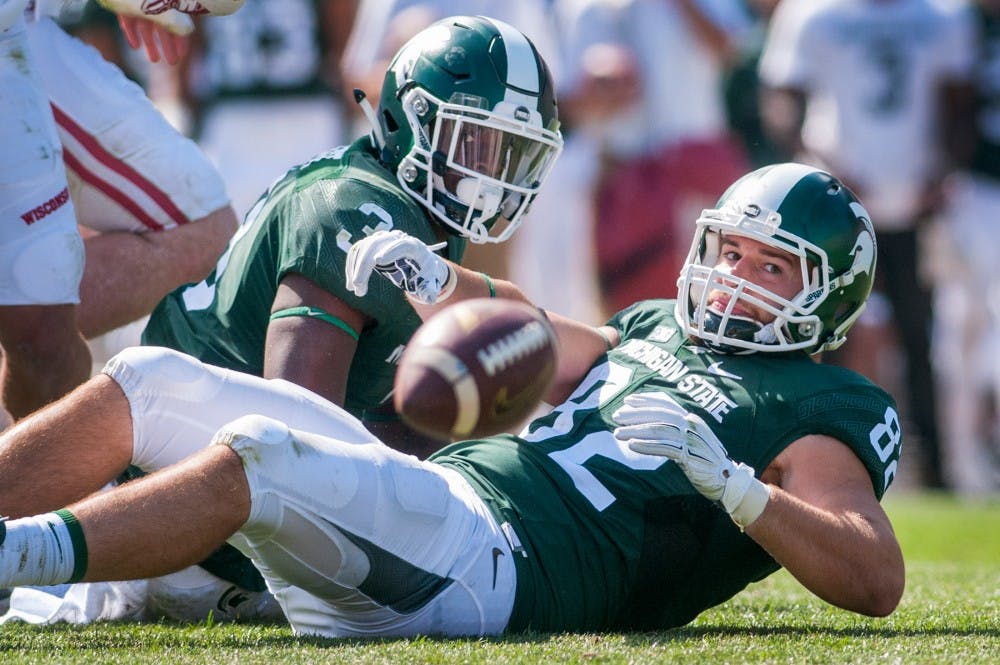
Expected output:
{"points": [[654, 424], [162, 26], [406, 261], [164, 34]]}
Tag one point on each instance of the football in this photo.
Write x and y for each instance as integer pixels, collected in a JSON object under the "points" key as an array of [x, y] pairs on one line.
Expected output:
{"points": [[476, 368]]}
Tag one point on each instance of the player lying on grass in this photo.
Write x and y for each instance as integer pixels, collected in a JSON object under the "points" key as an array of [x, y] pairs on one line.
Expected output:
{"points": [[634, 504]]}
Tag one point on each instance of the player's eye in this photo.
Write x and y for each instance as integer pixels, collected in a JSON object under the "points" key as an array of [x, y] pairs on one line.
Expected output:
{"points": [[774, 269]]}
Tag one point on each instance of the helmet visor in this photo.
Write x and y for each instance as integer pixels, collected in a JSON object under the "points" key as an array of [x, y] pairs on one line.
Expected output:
{"points": [[480, 148]]}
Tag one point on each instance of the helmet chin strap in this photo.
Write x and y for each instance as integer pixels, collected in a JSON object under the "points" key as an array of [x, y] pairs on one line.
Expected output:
{"points": [[742, 328]]}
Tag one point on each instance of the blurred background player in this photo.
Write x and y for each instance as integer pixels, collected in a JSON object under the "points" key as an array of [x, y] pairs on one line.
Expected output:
{"points": [[261, 89], [665, 148], [741, 90], [858, 89], [964, 256]]}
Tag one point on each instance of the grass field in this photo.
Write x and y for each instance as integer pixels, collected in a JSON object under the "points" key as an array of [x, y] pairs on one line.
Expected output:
{"points": [[949, 614]]}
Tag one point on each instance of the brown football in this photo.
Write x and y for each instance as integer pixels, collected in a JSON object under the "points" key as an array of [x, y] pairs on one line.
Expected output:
{"points": [[476, 368]]}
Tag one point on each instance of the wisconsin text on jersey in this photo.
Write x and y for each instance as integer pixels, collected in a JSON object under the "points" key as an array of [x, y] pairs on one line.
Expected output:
{"points": [[671, 368], [47, 208]]}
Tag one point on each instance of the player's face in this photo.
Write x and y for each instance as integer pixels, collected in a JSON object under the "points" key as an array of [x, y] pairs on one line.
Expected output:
{"points": [[774, 270]]}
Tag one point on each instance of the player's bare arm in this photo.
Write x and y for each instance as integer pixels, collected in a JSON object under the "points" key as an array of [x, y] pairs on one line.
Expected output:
{"points": [[165, 259], [580, 345], [308, 349], [824, 524]]}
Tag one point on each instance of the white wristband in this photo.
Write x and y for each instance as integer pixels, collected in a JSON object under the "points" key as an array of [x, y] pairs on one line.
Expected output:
{"points": [[449, 285], [745, 497]]}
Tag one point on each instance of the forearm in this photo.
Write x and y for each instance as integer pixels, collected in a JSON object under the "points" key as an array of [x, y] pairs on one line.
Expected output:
{"points": [[470, 284], [850, 560]]}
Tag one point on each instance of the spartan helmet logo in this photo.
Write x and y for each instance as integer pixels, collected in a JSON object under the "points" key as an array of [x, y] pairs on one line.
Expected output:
{"points": [[864, 245], [863, 253]]}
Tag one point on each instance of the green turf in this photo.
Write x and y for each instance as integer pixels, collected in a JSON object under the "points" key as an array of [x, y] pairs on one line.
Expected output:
{"points": [[949, 614]]}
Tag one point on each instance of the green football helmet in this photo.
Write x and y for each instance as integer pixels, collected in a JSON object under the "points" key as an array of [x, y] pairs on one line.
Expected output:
{"points": [[798, 209], [467, 119]]}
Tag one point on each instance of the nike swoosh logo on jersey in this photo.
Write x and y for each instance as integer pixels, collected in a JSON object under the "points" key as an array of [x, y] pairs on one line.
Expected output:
{"points": [[497, 553], [716, 369]]}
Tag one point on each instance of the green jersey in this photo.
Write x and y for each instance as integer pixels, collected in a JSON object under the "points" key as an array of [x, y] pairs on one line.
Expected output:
{"points": [[606, 538], [304, 224]]}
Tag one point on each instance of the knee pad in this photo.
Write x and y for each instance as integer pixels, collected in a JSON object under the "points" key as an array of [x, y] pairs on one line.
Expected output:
{"points": [[176, 403], [290, 470], [252, 431], [42, 270], [149, 369], [293, 459]]}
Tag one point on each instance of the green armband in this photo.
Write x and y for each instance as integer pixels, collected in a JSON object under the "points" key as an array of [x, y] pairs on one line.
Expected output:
{"points": [[489, 285], [316, 313]]}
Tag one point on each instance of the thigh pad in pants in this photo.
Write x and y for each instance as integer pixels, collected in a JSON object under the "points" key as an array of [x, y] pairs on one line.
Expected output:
{"points": [[361, 540]]}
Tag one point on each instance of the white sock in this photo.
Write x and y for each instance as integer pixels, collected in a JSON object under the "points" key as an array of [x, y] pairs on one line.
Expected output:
{"points": [[40, 550]]}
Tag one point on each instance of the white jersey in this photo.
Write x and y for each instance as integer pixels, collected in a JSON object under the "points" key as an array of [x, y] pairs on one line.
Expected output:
{"points": [[41, 253], [871, 71], [123, 156], [82, 144]]}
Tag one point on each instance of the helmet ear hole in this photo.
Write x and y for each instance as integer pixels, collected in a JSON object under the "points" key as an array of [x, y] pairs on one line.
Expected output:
{"points": [[844, 310], [390, 123]]}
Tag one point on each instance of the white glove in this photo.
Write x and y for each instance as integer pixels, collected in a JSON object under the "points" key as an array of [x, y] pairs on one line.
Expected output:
{"points": [[654, 424], [212, 7], [410, 264], [10, 13], [175, 22]]}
